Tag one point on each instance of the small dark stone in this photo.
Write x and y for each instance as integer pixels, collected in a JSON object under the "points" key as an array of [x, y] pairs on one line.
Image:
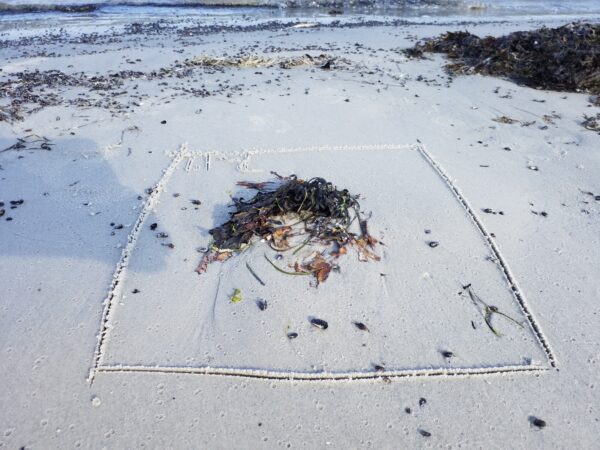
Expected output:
{"points": [[378, 367], [153, 226], [537, 422], [433, 244], [176, 195], [597, 198], [8, 219], [319, 323], [2, 212], [407, 410], [149, 191], [262, 304], [488, 211], [292, 335], [136, 291], [361, 326], [196, 202], [447, 354], [16, 202], [424, 433], [422, 401], [163, 122]]}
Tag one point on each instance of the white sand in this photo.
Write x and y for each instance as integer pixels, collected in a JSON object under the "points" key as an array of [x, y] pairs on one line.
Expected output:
{"points": [[177, 365]]}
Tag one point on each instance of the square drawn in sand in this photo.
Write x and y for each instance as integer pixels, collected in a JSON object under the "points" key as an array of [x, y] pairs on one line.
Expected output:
{"points": [[180, 321]]}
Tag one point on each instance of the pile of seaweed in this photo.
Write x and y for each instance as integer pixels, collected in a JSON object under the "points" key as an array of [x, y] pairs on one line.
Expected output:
{"points": [[291, 214], [566, 58]]}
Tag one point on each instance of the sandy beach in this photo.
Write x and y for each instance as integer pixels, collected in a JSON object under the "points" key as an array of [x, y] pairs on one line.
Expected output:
{"points": [[121, 143]]}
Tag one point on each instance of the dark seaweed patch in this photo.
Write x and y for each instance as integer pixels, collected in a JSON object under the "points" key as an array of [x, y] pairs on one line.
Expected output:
{"points": [[313, 212], [566, 58]]}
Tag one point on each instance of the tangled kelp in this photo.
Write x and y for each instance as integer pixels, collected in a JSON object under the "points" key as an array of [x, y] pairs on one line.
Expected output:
{"points": [[314, 213], [566, 58]]}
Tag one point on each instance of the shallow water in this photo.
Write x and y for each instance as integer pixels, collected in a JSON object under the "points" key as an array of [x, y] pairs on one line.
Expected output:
{"points": [[409, 8]]}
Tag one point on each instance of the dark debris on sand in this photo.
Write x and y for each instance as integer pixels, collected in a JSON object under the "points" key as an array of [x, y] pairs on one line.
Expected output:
{"points": [[27, 92], [566, 58], [290, 214]]}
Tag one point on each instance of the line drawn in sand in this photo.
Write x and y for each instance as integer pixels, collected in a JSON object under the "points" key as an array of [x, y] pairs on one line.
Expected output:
{"points": [[242, 160]]}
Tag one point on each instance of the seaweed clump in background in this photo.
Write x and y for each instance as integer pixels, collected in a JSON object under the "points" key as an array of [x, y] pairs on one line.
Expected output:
{"points": [[292, 214], [566, 58]]}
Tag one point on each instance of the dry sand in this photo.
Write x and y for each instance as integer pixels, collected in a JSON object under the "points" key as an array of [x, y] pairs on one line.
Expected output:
{"points": [[89, 363]]}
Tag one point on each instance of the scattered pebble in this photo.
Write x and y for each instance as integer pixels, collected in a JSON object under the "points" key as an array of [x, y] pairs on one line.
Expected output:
{"points": [[292, 335], [262, 304], [491, 211], [153, 226], [422, 401], [319, 323], [361, 326], [537, 422], [433, 244], [424, 433]]}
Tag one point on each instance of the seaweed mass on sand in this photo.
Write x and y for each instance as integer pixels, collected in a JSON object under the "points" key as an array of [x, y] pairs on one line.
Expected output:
{"points": [[566, 58], [290, 214]]}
